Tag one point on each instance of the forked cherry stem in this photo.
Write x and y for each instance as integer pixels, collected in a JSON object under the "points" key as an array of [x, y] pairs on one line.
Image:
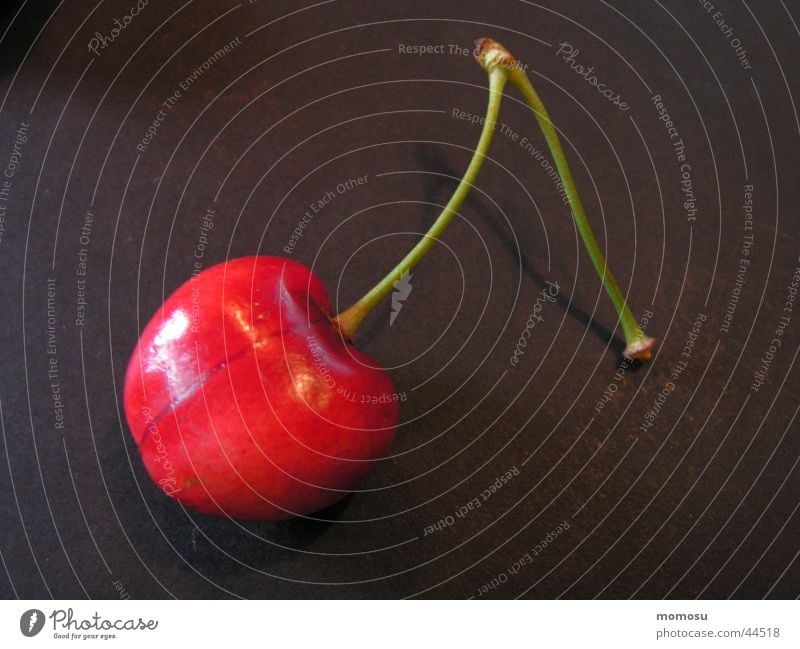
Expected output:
{"points": [[501, 66]]}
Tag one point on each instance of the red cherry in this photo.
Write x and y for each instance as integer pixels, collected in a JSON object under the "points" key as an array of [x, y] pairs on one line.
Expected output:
{"points": [[245, 399]]}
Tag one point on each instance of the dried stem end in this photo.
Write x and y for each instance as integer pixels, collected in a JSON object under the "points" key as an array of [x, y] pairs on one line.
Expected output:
{"points": [[640, 349]]}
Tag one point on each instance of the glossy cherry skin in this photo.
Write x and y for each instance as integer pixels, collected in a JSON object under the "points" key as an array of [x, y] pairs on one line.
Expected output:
{"points": [[246, 402]]}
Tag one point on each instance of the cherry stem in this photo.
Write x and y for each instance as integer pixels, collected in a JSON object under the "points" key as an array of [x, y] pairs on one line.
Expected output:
{"points": [[638, 345], [501, 66], [349, 319]]}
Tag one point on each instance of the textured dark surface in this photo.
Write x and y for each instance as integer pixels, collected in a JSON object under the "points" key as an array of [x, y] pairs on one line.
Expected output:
{"points": [[701, 503]]}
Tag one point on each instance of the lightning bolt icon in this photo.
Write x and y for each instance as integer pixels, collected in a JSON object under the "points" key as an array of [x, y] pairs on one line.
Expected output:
{"points": [[402, 289], [32, 621]]}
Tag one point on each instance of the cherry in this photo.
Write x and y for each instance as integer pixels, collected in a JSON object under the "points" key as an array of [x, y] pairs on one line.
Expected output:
{"points": [[245, 394], [244, 399]]}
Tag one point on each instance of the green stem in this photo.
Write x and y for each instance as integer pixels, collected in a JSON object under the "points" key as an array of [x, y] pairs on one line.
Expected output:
{"points": [[501, 67], [349, 320], [492, 54]]}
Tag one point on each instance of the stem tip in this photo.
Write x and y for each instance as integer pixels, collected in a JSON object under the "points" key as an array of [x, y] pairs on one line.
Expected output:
{"points": [[641, 349], [489, 53]]}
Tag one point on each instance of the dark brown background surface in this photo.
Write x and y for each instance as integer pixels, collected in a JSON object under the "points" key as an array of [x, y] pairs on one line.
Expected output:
{"points": [[703, 503]]}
